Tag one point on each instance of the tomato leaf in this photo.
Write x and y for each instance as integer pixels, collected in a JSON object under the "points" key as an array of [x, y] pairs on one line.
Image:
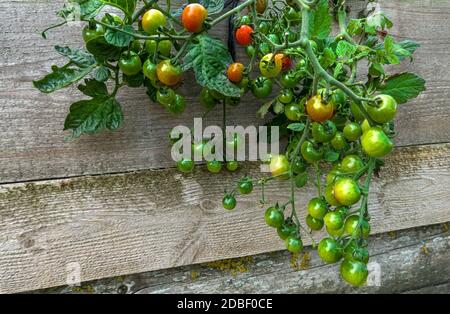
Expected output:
{"points": [[93, 88], [103, 50], [79, 57], [119, 39], [94, 115], [61, 77], [345, 49], [127, 6], [209, 58], [80, 9], [296, 127], [330, 155], [403, 87], [213, 6], [264, 109], [102, 74], [320, 21]]}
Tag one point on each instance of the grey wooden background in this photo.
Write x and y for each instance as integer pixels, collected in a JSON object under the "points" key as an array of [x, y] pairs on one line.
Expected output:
{"points": [[113, 202]]}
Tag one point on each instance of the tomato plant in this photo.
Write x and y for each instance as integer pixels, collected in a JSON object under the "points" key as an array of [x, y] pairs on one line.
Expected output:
{"points": [[309, 78]]}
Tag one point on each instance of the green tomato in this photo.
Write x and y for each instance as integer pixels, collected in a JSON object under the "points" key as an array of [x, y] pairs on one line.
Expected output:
{"points": [[385, 111], [151, 46], [290, 79], [165, 96], [149, 70], [214, 166], [90, 33], [355, 253], [261, 87], [340, 120], [245, 20], [323, 132], [185, 165], [310, 153], [301, 180], [229, 202], [245, 186], [274, 217], [293, 112], [274, 38], [178, 105], [232, 165], [250, 51], [329, 251], [313, 223], [352, 228], [352, 131], [317, 208], [152, 20], [351, 164], [135, 46], [334, 220], [165, 47], [339, 97], [286, 96], [130, 64], [299, 166], [346, 191], [338, 142], [376, 143], [263, 27], [207, 99], [264, 48], [354, 272], [294, 244]]}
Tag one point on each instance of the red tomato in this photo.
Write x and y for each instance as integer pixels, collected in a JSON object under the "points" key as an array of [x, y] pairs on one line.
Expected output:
{"points": [[235, 72], [193, 17], [244, 35]]}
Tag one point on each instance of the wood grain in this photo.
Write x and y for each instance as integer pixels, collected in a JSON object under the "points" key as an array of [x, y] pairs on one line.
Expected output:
{"points": [[32, 142], [120, 224], [426, 271]]}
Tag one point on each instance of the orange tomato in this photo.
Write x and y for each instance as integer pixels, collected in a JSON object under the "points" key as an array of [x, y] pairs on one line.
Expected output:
{"points": [[235, 72], [318, 110], [193, 17]]}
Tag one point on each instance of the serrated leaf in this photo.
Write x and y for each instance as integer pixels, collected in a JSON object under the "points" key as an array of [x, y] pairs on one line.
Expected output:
{"points": [[94, 115], [119, 39], [345, 49], [320, 21], [60, 78], [127, 6], [296, 127], [101, 74], [81, 9], [338, 69], [328, 58], [209, 58], [79, 57], [103, 50], [403, 87], [93, 88], [213, 6]]}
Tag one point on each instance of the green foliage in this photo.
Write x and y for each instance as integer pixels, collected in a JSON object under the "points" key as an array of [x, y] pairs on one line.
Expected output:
{"points": [[127, 6], [320, 21], [209, 58], [403, 87]]}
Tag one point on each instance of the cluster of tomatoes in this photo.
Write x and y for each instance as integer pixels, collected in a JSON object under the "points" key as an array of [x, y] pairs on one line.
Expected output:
{"points": [[154, 57], [332, 123]]}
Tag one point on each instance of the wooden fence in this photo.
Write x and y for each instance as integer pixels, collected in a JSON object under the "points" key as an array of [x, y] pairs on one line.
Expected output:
{"points": [[113, 204]]}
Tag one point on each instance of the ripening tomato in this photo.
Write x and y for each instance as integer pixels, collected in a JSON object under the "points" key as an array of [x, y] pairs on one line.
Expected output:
{"points": [[152, 20], [168, 73], [193, 17], [235, 72], [279, 166], [376, 143], [386, 110], [244, 35], [346, 191], [261, 6], [271, 65], [318, 110]]}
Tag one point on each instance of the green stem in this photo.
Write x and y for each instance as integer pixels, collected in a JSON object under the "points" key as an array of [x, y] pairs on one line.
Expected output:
{"points": [[342, 17], [231, 12], [147, 5]]}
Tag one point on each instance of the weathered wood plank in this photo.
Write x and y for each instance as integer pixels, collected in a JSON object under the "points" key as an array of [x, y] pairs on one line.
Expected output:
{"points": [[33, 146], [129, 223], [276, 273]]}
